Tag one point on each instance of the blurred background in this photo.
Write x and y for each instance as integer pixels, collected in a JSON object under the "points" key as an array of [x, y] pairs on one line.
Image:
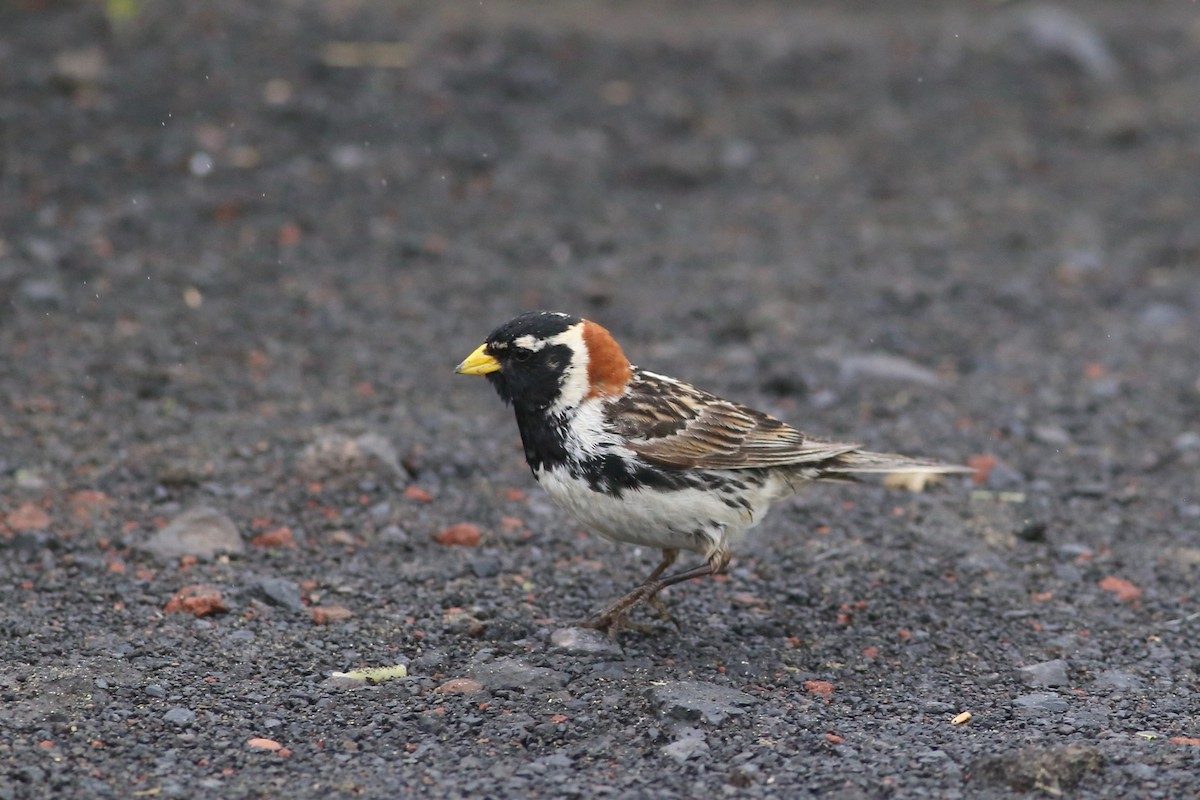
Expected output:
{"points": [[243, 221]]}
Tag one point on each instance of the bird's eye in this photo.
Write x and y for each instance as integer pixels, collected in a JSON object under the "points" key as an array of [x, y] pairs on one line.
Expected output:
{"points": [[521, 355]]}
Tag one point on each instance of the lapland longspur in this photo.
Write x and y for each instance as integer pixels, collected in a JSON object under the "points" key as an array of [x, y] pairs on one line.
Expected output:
{"points": [[645, 459]]}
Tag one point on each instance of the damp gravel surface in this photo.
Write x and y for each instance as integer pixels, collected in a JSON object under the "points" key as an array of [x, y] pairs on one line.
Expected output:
{"points": [[243, 245]]}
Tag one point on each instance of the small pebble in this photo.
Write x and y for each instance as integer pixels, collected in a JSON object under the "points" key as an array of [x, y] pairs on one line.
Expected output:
{"points": [[180, 716], [583, 641], [1047, 673], [690, 744], [1039, 703]]}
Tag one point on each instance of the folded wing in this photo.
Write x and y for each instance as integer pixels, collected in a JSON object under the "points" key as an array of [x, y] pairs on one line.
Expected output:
{"points": [[677, 426]]}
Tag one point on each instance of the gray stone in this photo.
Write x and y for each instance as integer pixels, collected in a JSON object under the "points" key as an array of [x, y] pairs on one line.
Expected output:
{"points": [[1142, 772], [1161, 317], [42, 293], [180, 716], [887, 367], [277, 592], [485, 566], [693, 701], [1119, 681], [583, 641], [334, 455], [512, 673], [1040, 703], [1053, 771], [1002, 476], [1047, 673], [202, 532], [1062, 34], [1051, 434], [1188, 440], [394, 535], [690, 744]]}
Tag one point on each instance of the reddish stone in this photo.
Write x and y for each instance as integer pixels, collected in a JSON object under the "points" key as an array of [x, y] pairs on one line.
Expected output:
{"points": [[199, 600], [278, 537], [418, 494], [464, 534], [264, 744], [460, 686], [324, 615], [29, 517], [87, 505], [983, 466], [1125, 590]]}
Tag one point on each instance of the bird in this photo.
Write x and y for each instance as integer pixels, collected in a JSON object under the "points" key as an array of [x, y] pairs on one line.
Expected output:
{"points": [[645, 459]]}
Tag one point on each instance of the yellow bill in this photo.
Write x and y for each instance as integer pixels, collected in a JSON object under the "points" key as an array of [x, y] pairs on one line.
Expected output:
{"points": [[478, 363]]}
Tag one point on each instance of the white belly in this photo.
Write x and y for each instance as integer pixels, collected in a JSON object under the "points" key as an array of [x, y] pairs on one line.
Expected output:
{"points": [[687, 519]]}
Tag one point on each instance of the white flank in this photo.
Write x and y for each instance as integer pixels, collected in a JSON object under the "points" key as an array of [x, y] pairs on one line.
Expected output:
{"points": [[694, 520]]}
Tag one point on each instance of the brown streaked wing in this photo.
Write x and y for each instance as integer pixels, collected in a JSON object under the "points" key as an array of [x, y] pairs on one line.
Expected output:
{"points": [[672, 424]]}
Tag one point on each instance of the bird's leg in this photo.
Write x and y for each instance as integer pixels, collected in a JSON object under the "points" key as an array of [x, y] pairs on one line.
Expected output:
{"points": [[668, 559], [615, 617], [715, 566]]}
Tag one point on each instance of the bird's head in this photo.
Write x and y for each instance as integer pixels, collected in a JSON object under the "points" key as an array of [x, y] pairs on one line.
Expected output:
{"points": [[549, 361]]}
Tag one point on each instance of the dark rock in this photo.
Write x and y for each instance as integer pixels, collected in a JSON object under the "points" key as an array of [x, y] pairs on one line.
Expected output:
{"points": [[693, 701], [1001, 476], [1032, 531], [180, 716], [277, 592], [1055, 771], [512, 673], [485, 566], [1119, 681]]}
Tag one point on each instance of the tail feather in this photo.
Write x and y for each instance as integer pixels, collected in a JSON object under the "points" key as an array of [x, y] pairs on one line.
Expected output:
{"points": [[864, 461]]}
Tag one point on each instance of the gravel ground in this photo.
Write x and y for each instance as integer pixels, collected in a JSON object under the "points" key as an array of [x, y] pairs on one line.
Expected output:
{"points": [[243, 245]]}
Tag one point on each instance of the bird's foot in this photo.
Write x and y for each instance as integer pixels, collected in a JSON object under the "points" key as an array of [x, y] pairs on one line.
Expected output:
{"points": [[614, 624], [615, 618], [663, 613]]}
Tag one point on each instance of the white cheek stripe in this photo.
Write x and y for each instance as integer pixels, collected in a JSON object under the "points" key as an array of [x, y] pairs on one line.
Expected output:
{"points": [[575, 383]]}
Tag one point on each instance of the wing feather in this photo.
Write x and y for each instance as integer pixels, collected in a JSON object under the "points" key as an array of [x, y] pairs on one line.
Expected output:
{"points": [[674, 425]]}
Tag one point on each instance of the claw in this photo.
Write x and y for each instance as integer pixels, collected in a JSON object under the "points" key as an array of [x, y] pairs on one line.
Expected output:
{"points": [[661, 608], [615, 618]]}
